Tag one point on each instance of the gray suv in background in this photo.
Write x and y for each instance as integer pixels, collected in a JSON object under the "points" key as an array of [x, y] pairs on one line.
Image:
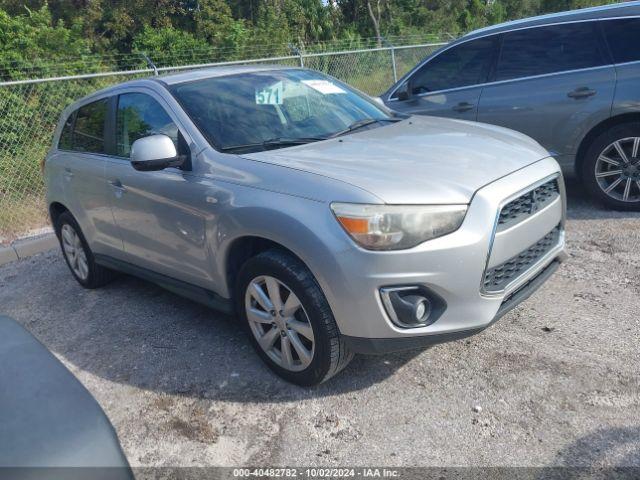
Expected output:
{"points": [[569, 80], [330, 226]]}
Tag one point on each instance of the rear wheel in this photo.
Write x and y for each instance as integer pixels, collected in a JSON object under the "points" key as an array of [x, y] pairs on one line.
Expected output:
{"points": [[611, 170], [78, 255], [289, 320]]}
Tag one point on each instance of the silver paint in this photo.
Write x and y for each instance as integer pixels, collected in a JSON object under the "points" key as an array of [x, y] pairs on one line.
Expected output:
{"points": [[184, 223]]}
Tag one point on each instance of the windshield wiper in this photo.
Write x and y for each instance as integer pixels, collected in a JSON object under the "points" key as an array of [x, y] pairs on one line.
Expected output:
{"points": [[363, 123], [273, 142]]}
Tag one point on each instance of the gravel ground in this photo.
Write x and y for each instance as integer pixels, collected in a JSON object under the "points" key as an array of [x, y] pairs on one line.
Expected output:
{"points": [[555, 382]]}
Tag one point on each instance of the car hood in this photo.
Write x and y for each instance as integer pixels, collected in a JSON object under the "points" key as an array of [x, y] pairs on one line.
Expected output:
{"points": [[421, 160]]}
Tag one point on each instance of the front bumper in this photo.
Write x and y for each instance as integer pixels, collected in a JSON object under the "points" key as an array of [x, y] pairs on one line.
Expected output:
{"points": [[375, 346], [452, 267]]}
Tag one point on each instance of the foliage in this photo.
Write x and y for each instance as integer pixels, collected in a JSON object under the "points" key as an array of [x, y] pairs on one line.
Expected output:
{"points": [[169, 46], [33, 37], [66, 37], [37, 29]]}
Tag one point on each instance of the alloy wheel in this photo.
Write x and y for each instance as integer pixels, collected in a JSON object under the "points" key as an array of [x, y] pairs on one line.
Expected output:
{"points": [[279, 323], [74, 252], [617, 170]]}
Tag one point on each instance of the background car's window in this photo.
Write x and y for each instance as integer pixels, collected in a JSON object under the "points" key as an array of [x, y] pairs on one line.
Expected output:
{"points": [[88, 134], [539, 51], [138, 116], [66, 137], [461, 66], [623, 37], [252, 108]]}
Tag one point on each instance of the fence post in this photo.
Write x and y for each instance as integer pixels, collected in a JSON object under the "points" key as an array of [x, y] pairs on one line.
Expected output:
{"points": [[393, 64], [297, 51], [393, 58], [150, 63]]}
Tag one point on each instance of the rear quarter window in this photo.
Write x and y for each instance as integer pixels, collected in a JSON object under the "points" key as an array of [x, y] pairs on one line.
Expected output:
{"points": [[623, 37], [84, 129], [66, 137]]}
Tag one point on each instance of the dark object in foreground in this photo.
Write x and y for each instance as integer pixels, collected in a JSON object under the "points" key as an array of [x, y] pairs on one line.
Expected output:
{"points": [[48, 419]]}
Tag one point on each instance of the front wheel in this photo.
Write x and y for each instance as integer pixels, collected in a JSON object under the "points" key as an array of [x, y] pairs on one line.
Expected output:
{"points": [[611, 170], [289, 320]]}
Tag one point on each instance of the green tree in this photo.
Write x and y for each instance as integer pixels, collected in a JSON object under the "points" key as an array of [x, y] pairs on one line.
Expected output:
{"points": [[169, 46], [33, 40], [214, 23]]}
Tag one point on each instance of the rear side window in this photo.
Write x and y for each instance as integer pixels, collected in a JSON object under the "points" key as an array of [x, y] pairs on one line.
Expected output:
{"points": [[461, 66], [623, 37], [544, 50], [66, 137], [88, 133], [138, 116]]}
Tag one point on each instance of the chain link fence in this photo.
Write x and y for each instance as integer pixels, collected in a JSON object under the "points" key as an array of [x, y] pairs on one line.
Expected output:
{"points": [[30, 109]]}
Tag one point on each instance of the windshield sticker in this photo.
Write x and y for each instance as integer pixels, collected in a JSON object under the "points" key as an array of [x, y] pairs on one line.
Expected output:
{"points": [[271, 95], [325, 87]]}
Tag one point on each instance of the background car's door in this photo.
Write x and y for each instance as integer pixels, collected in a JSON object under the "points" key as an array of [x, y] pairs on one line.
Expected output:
{"points": [[448, 85], [161, 223], [83, 145], [553, 83]]}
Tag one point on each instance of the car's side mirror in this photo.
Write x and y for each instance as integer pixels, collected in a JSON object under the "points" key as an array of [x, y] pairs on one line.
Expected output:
{"points": [[404, 92], [155, 152]]}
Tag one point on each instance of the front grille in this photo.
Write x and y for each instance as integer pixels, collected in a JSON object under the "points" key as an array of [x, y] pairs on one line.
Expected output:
{"points": [[529, 203], [497, 278]]}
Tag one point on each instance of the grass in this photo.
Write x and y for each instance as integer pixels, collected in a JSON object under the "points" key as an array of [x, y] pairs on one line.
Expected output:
{"points": [[18, 217]]}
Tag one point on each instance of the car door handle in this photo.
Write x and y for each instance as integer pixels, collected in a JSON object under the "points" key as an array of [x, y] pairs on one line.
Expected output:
{"points": [[117, 185], [464, 107], [68, 174], [582, 92]]}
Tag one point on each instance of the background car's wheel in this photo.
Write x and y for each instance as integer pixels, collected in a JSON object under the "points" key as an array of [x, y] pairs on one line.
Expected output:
{"points": [[78, 255], [611, 169], [289, 320]]}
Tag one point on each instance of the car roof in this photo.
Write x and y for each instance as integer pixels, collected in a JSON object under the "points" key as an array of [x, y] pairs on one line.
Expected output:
{"points": [[625, 9], [219, 71], [180, 77], [618, 10]]}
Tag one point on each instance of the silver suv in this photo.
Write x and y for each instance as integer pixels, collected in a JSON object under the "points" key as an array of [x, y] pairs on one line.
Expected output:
{"points": [[571, 81], [329, 225]]}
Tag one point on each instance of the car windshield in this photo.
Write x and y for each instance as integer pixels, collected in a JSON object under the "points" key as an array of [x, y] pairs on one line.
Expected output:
{"points": [[275, 108]]}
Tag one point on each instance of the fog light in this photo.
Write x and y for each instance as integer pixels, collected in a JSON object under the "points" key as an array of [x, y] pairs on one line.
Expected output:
{"points": [[412, 306], [421, 308]]}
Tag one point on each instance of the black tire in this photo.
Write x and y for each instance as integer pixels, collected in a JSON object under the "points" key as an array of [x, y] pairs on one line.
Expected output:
{"points": [[588, 166], [331, 354], [98, 275]]}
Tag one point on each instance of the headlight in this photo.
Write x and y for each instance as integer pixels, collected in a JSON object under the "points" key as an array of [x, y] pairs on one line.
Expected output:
{"points": [[396, 227]]}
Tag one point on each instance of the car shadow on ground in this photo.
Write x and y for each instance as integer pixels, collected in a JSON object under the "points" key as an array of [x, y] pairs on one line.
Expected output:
{"points": [[591, 456], [580, 205], [134, 332]]}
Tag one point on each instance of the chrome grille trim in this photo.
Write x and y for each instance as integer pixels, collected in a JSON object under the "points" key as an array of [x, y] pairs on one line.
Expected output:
{"points": [[498, 278], [557, 249], [527, 204]]}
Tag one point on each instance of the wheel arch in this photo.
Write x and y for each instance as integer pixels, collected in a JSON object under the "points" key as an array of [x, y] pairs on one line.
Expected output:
{"points": [[55, 210], [242, 249], [598, 130]]}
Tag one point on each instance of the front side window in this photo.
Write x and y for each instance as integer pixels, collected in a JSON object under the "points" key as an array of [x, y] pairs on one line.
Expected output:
{"points": [[262, 110], [88, 134], [138, 116], [461, 66], [623, 37], [544, 50]]}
